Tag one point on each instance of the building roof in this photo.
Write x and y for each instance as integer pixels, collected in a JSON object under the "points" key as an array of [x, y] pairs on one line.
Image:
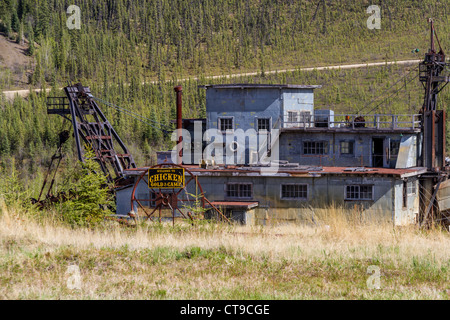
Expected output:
{"points": [[259, 86], [291, 170]]}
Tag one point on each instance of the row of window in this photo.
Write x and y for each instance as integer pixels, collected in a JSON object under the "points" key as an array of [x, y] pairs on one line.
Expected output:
{"points": [[237, 190], [297, 191], [347, 147], [288, 192], [227, 124]]}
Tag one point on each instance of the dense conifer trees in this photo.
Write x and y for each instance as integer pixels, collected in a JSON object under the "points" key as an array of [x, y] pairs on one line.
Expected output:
{"points": [[132, 53]]}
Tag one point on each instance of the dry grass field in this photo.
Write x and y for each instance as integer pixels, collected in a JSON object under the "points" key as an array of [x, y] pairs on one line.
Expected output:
{"points": [[339, 258]]}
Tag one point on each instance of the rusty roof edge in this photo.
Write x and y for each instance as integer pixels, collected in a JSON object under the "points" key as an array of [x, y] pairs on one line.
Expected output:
{"points": [[258, 86], [306, 172], [419, 171]]}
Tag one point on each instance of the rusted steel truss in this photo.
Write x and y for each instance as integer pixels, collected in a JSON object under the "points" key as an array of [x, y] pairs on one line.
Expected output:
{"points": [[92, 130]]}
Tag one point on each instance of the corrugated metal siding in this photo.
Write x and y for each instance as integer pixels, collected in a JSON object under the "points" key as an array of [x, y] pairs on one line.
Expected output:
{"points": [[443, 196]]}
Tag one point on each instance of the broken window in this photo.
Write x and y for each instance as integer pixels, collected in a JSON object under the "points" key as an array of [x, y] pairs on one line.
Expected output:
{"points": [[294, 191], [411, 187], [359, 192], [225, 124], [347, 147], [239, 190], [315, 147], [394, 148], [305, 117]]}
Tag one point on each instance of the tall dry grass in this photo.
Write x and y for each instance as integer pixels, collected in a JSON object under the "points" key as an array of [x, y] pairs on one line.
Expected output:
{"points": [[327, 259]]}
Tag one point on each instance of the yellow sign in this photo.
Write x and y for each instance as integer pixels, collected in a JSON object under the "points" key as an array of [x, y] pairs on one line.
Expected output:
{"points": [[166, 178]]}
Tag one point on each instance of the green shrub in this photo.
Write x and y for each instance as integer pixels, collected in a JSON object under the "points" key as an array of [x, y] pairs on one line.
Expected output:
{"points": [[90, 196]]}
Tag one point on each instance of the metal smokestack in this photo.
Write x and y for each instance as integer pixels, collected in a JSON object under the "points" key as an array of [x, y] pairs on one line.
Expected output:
{"points": [[179, 90]]}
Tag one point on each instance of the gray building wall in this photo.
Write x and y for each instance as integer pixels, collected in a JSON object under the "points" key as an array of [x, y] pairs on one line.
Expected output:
{"points": [[324, 192], [292, 149], [247, 104]]}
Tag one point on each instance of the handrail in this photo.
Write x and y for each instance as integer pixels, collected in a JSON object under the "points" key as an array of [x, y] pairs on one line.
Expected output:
{"points": [[353, 121]]}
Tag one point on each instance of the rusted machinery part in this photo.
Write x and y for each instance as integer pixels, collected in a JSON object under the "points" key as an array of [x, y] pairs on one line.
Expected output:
{"points": [[360, 122], [178, 200], [51, 199], [122, 221]]}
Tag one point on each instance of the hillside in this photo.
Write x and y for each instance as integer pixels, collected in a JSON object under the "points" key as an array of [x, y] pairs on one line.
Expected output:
{"points": [[15, 64], [171, 39], [123, 44]]}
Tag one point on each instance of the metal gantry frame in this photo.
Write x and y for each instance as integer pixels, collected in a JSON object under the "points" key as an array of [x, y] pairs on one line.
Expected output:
{"points": [[432, 75], [92, 130]]}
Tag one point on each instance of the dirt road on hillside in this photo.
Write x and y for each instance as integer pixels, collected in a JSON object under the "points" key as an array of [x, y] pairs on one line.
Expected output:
{"points": [[23, 93]]}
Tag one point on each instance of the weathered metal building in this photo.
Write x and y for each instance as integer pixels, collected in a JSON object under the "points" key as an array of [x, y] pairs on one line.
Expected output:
{"points": [[265, 155], [323, 159]]}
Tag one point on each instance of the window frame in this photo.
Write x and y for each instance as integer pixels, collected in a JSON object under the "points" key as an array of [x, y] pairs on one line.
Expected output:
{"points": [[324, 147], [305, 117], [359, 192], [297, 116], [269, 124], [352, 142], [238, 191], [411, 187], [394, 145], [293, 185], [219, 124]]}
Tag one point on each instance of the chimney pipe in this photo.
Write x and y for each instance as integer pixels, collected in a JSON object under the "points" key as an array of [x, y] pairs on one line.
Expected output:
{"points": [[179, 90]]}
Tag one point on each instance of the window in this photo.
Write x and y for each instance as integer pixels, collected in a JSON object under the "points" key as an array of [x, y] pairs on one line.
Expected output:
{"points": [[315, 147], [152, 200], [409, 188], [292, 116], [394, 147], [263, 124], [226, 124], [142, 199], [238, 190], [358, 192], [305, 117], [146, 201], [294, 191], [347, 147]]}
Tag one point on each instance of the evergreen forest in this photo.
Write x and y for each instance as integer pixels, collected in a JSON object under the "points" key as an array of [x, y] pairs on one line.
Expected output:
{"points": [[132, 53]]}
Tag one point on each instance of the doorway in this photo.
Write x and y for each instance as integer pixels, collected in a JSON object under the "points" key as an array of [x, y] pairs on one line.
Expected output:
{"points": [[378, 152]]}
